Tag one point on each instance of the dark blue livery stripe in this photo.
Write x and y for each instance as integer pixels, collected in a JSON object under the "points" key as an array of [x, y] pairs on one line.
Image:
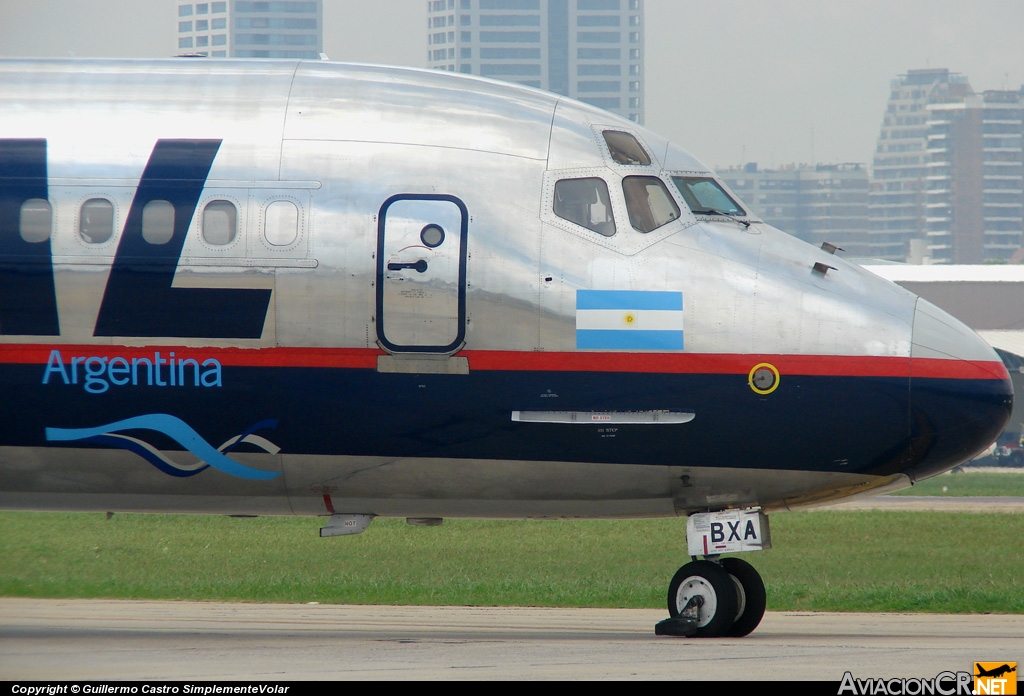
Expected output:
{"points": [[28, 299], [139, 299]]}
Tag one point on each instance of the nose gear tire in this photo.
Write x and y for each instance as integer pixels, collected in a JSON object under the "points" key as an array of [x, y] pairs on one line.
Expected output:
{"points": [[753, 598], [715, 586]]}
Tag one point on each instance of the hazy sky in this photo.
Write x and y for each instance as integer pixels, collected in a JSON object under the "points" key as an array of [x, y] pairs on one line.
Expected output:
{"points": [[772, 81]]}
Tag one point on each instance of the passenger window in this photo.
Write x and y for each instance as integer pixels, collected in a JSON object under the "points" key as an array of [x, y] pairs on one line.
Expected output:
{"points": [[96, 220], [625, 149], [36, 220], [220, 223], [585, 202], [649, 203], [706, 197], [158, 222], [282, 223]]}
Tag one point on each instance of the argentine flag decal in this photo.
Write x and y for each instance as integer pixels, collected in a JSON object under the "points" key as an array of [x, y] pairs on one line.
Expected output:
{"points": [[629, 320]]}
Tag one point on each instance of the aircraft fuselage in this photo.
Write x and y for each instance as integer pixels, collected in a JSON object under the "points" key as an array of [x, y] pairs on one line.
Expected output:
{"points": [[304, 288]]}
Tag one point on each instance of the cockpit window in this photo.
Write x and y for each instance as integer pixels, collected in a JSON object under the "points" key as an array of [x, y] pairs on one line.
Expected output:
{"points": [[705, 196], [585, 202], [625, 149], [648, 201]]}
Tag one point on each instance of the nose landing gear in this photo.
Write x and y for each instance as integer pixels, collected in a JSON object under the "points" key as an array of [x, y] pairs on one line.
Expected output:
{"points": [[718, 596], [709, 599]]}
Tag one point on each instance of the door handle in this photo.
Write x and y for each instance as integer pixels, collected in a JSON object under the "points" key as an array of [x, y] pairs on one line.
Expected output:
{"points": [[420, 266]]}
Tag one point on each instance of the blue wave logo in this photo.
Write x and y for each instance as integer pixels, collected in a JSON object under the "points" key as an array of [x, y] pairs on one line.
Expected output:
{"points": [[182, 433]]}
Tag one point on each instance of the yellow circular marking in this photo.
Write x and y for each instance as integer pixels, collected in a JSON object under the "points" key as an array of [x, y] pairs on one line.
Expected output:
{"points": [[764, 366], [630, 318]]}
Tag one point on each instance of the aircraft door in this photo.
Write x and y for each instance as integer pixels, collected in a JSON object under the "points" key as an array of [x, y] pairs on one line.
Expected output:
{"points": [[421, 273]]}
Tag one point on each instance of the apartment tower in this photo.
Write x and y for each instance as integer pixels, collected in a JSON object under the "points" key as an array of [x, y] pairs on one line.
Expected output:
{"points": [[974, 193], [897, 197], [246, 29], [591, 50]]}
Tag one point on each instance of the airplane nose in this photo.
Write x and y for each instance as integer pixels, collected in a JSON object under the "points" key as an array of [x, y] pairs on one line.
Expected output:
{"points": [[960, 393]]}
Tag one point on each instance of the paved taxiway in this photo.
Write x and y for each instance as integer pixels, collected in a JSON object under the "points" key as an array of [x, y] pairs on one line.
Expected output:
{"points": [[101, 640], [935, 503]]}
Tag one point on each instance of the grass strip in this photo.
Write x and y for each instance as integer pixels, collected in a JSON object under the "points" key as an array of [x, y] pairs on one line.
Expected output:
{"points": [[970, 484], [822, 561]]}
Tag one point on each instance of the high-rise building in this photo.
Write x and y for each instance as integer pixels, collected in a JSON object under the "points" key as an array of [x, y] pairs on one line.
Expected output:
{"points": [[897, 195], [975, 178], [244, 29], [820, 203], [591, 50]]}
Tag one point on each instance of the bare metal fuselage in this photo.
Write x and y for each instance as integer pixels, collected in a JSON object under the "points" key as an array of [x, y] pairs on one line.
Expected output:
{"points": [[344, 362]]}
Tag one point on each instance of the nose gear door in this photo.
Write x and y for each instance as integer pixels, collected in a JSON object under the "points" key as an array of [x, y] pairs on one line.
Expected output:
{"points": [[421, 273]]}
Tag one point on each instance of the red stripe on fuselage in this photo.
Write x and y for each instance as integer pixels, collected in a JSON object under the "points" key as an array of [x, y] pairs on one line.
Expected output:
{"points": [[730, 363], [537, 361]]}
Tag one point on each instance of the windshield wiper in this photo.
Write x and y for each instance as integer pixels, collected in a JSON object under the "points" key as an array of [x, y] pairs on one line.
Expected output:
{"points": [[715, 211]]}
